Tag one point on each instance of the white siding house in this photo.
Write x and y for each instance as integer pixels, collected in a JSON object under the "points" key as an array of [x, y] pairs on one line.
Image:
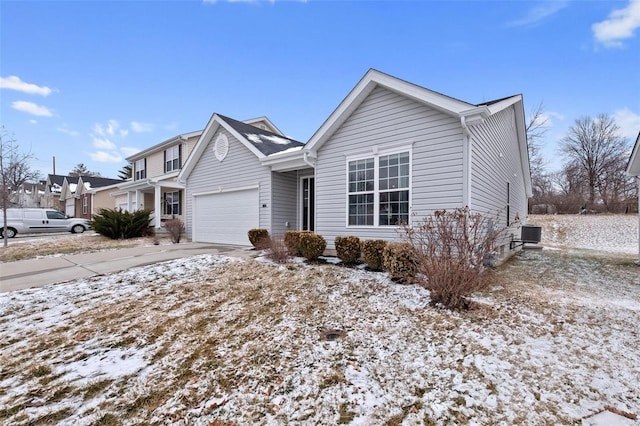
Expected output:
{"points": [[392, 151]]}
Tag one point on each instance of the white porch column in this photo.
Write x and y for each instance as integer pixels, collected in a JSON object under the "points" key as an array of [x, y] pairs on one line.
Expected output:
{"points": [[129, 201], [157, 210], [139, 200]]}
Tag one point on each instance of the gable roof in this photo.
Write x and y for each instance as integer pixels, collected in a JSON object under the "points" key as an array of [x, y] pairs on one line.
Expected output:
{"points": [[473, 113], [261, 143], [633, 167], [265, 120]]}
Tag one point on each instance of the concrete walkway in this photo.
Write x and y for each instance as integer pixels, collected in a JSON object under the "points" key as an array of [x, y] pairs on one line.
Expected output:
{"points": [[39, 272]]}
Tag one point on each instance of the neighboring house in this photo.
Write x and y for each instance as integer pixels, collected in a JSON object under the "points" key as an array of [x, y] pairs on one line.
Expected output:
{"points": [[53, 190], [29, 194], [78, 197], [633, 169], [391, 151]]}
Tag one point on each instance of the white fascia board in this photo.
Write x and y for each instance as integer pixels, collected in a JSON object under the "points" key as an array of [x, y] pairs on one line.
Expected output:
{"points": [[365, 86], [505, 103], [103, 188], [633, 168], [201, 144], [475, 115], [242, 139], [162, 145]]}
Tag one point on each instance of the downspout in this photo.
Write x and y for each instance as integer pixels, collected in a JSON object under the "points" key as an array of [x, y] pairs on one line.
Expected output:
{"points": [[638, 185], [467, 152]]}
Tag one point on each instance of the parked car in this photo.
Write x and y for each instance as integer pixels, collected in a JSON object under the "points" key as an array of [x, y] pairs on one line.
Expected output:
{"points": [[30, 220]]}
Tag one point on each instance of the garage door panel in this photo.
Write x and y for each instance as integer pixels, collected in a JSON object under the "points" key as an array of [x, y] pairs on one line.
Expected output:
{"points": [[226, 217]]}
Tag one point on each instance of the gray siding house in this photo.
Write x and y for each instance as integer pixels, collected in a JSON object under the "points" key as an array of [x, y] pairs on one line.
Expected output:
{"points": [[391, 151], [633, 169]]}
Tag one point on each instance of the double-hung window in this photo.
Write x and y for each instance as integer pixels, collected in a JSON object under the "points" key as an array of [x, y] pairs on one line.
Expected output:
{"points": [[172, 159], [140, 169], [172, 203], [85, 204], [378, 190]]}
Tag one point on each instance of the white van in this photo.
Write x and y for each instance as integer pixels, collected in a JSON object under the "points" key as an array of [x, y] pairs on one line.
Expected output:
{"points": [[24, 221]]}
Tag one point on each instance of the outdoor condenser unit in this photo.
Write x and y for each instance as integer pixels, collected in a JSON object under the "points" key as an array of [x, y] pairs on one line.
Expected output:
{"points": [[531, 234]]}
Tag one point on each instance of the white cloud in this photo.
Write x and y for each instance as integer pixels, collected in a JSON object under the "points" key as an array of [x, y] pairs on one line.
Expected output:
{"points": [[32, 121], [110, 128], [124, 132], [129, 151], [139, 127], [31, 108], [628, 121], [540, 12], [620, 25], [67, 131], [105, 157], [15, 83], [547, 118], [103, 143]]}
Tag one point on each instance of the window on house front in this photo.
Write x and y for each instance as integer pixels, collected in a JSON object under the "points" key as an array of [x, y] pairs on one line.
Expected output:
{"points": [[172, 159], [172, 203], [85, 205], [140, 168], [378, 193]]}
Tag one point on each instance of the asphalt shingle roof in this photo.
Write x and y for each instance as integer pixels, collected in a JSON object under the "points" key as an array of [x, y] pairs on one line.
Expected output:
{"points": [[266, 142]]}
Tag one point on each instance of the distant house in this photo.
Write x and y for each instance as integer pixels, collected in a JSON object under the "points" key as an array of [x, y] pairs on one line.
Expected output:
{"points": [[391, 151], [78, 198], [53, 190], [29, 194], [633, 169]]}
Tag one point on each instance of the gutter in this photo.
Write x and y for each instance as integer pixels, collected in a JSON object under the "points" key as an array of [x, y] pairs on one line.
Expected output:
{"points": [[305, 158]]}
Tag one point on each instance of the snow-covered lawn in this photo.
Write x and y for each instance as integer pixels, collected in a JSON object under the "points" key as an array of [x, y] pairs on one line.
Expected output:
{"points": [[215, 340]]}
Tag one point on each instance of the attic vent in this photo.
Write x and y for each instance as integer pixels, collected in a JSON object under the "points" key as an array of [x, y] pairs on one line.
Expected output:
{"points": [[221, 147]]}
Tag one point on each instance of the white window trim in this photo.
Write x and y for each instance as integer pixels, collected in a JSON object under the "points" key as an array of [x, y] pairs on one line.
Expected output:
{"points": [[375, 153], [170, 161], [85, 205], [138, 171]]}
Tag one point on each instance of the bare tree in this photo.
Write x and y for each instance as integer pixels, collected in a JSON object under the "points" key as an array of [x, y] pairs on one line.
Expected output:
{"points": [[595, 146], [14, 171], [536, 129]]}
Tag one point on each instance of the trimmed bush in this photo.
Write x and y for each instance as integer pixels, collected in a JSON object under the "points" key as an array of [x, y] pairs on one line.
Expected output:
{"points": [[119, 224], [292, 241], [372, 251], [399, 259], [259, 238], [311, 245], [348, 248]]}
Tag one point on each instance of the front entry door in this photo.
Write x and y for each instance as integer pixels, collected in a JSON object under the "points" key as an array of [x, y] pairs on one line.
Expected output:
{"points": [[308, 204]]}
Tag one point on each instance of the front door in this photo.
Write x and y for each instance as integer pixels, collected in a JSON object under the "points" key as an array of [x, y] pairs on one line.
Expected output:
{"points": [[308, 204]]}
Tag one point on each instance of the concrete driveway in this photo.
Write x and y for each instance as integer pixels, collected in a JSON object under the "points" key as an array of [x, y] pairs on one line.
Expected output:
{"points": [[40, 272]]}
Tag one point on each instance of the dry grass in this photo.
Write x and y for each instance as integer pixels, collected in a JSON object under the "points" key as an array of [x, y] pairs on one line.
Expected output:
{"points": [[82, 243], [242, 342]]}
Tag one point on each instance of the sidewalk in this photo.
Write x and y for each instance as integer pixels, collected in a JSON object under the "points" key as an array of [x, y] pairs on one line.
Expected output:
{"points": [[39, 272]]}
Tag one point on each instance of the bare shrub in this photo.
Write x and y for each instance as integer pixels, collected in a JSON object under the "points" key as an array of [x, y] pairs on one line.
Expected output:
{"points": [[311, 245], [259, 238], [277, 250], [452, 248], [399, 259], [348, 248], [175, 228]]}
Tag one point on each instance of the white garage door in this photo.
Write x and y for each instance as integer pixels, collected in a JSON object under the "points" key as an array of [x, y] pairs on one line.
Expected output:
{"points": [[70, 208], [226, 217]]}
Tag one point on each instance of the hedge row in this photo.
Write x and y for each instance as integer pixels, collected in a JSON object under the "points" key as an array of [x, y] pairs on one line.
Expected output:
{"points": [[398, 259]]}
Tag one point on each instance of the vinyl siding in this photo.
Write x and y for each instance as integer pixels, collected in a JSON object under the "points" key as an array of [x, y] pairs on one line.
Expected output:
{"points": [[241, 168], [496, 161], [383, 120], [284, 198]]}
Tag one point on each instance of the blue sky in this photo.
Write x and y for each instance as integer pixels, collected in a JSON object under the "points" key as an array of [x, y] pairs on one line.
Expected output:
{"points": [[95, 81]]}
